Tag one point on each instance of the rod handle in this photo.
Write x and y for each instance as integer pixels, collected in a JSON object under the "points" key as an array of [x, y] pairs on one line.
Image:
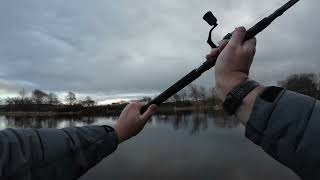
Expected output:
{"points": [[144, 108]]}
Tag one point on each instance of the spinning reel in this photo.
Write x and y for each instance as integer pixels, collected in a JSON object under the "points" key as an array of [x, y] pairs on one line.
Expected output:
{"points": [[212, 21]]}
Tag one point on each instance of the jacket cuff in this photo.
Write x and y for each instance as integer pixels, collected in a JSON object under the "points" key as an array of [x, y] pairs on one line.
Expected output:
{"points": [[287, 129], [272, 117], [259, 116], [111, 131]]}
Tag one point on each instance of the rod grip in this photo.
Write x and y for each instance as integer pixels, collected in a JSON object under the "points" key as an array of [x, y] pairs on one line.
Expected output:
{"points": [[144, 108]]}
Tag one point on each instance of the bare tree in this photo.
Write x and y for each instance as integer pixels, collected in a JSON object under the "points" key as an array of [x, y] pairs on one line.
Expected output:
{"points": [[71, 98], [212, 92], [176, 97], [183, 95], [194, 92], [53, 99], [202, 93], [23, 94], [39, 96], [87, 102], [10, 101], [212, 96], [307, 84], [28, 100]]}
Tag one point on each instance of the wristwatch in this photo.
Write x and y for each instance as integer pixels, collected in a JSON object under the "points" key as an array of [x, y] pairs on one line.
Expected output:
{"points": [[237, 94]]}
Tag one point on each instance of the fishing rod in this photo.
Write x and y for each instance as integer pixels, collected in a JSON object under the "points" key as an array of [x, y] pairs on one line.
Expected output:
{"points": [[196, 73]]}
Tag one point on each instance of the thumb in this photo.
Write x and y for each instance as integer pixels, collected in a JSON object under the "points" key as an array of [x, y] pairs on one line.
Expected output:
{"points": [[150, 111]]}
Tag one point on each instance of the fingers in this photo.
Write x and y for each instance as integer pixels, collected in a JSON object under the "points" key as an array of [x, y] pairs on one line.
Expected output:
{"points": [[223, 44], [150, 111], [250, 44], [238, 36], [216, 51]]}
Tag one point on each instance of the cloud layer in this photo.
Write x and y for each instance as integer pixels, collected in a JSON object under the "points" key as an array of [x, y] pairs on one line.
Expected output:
{"points": [[115, 47]]}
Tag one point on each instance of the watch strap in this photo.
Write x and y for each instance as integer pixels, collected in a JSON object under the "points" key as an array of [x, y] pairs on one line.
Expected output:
{"points": [[237, 94]]}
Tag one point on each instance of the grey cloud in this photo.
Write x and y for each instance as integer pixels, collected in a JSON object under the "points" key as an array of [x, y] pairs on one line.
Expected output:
{"points": [[142, 46]]}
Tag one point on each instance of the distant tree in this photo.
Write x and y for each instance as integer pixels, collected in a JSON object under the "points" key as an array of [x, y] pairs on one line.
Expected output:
{"points": [[183, 95], [71, 98], [212, 97], [212, 92], [28, 100], [146, 99], [176, 97], [194, 92], [53, 99], [23, 94], [202, 93], [38, 96], [12, 101], [9, 101], [307, 84], [87, 102]]}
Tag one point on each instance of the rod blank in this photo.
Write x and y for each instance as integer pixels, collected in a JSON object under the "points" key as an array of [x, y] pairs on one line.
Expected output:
{"points": [[194, 74]]}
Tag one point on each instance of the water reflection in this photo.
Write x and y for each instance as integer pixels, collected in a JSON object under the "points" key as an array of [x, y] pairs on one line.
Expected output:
{"points": [[185, 146], [197, 122], [190, 121]]}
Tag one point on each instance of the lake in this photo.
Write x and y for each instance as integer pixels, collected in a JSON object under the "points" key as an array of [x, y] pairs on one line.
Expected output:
{"points": [[180, 146]]}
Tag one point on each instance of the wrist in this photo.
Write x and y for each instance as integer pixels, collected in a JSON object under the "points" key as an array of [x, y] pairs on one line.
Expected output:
{"points": [[244, 111], [224, 84], [119, 133]]}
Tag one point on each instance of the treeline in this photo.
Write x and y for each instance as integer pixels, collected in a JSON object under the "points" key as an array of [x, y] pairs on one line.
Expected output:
{"points": [[193, 95], [41, 101], [39, 97], [307, 83]]}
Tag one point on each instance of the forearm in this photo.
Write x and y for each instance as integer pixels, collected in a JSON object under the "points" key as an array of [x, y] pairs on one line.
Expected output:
{"points": [[244, 111], [54, 154]]}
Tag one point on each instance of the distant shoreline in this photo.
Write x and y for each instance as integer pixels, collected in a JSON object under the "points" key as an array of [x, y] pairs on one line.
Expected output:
{"points": [[162, 110], [19, 113]]}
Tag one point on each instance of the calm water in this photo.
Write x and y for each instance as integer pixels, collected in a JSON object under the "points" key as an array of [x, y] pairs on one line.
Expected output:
{"points": [[185, 146]]}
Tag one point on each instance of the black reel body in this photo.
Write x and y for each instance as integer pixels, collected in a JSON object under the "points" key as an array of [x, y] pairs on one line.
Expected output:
{"points": [[212, 21]]}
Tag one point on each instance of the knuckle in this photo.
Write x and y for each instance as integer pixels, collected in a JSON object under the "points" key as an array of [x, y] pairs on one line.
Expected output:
{"points": [[232, 46]]}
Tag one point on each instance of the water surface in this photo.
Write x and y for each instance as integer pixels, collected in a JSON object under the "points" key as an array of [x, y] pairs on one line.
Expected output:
{"points": [[188, 146]]}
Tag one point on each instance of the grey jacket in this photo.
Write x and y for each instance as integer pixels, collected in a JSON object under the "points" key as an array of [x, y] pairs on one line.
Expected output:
{"points": [[287, 127], [52, 154]]}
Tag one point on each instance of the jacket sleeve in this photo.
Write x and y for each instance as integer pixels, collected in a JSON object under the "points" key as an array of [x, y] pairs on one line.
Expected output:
{"points": [[287, 127], [34, 154]]}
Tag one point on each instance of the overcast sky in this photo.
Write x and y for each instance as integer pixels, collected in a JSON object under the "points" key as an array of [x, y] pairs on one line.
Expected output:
{"points": [[123, 49]]}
